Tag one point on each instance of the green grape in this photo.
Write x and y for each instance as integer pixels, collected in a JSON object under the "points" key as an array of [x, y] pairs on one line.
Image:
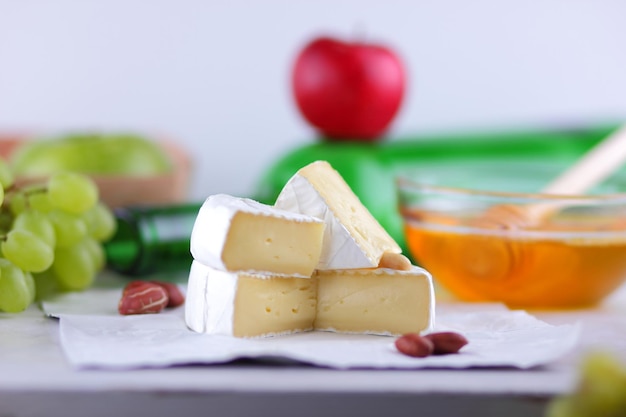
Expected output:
{"points": [[30, 283], [69, 229], [40, 201], [72, 192], [27, 251], [17, 203], [601, 390], [15, 293], [38, 224], [101, 223], [96, 251], [1, 195], [6, 175], [46, 284], [74, 267]]}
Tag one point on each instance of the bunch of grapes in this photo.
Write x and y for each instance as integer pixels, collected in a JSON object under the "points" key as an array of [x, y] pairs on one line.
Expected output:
{"points": [[51, 236]]}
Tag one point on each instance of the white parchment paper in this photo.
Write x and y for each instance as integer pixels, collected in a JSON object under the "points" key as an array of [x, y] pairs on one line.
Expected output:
{"points": [[93, 335]]}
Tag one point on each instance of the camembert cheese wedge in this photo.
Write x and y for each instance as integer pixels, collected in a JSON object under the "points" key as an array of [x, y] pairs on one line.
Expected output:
{"points": [[248, 305], [240, 234], [353, 238], [375, 301]]}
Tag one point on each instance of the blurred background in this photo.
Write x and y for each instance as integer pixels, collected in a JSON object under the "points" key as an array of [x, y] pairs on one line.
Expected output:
{"points": [[214, 75]]}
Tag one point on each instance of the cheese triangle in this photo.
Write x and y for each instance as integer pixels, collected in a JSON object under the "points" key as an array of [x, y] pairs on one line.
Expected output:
{"points": [[353, 237]]}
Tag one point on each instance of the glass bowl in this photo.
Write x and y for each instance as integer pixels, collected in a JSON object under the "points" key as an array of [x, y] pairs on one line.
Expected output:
{"points": [[486, 235]]}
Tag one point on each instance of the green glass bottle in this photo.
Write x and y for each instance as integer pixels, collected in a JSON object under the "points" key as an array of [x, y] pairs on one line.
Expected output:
{"points": [[152, 240]]}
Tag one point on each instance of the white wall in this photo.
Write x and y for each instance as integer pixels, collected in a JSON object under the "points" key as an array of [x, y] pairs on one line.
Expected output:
{"points": [[214, 74]]}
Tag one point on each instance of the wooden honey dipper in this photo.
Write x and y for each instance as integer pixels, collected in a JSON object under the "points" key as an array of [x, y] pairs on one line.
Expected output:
{"points": [[594, 167], [489, 258]]}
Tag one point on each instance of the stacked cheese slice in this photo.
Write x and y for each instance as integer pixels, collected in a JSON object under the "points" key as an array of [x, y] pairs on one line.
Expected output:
{"points": [[310, 262]]}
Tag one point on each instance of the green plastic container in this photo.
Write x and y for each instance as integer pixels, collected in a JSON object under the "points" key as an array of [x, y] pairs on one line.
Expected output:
{"points": [[371, 169]]}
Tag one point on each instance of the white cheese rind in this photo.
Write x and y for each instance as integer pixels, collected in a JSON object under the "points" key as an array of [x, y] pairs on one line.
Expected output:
{"points": [[210, 300], [248, 305], [319, 191], [276, 253]]}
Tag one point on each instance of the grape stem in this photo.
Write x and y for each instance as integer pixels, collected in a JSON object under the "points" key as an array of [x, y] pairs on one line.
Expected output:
{"points": [[39, 189], [6, 214], [13, 190]]}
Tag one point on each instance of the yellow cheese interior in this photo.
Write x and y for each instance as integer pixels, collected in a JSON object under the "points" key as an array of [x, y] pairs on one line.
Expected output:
{"points": [[267, 306], [381, 303], [266, 243], [371, 237]]}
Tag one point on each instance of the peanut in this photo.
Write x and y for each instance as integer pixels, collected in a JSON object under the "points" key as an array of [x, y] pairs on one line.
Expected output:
{"points": [[441, 343], [395, 261], [446, 342], [174, 294], [412, 344], [132, 285], [176, 297], [142, 298]]}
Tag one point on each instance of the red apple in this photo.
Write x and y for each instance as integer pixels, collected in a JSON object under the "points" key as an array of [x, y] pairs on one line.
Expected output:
{"points": [[348, 91]]}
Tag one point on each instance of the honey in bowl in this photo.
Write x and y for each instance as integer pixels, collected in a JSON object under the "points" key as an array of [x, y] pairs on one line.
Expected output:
{"points": [[572, 259]]}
